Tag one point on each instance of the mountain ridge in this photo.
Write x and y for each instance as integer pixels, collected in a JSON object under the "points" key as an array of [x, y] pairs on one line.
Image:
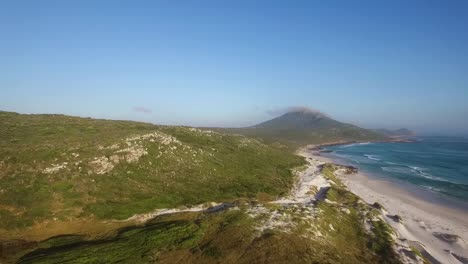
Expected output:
{"points": [[297, 128]]}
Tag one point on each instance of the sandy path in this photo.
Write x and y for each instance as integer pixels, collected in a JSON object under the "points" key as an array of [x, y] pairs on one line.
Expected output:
{"points": [[207, 207], [310, 185]]}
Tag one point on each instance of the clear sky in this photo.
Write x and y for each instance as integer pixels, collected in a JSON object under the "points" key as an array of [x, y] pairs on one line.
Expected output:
{"points": [[233, 63]]}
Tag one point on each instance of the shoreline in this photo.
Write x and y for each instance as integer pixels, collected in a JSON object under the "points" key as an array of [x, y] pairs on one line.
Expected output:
{"points": [[318, 147], [412, 189], [438, 230], [421, 221]]}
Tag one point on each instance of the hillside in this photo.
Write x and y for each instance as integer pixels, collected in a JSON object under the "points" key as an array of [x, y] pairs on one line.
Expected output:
{"points": [[56, 169], [338, 228], [82, 190], [298, 128]]}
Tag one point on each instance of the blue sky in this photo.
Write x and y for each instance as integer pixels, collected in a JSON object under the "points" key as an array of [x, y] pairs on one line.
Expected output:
{"points": [[231, 63]]}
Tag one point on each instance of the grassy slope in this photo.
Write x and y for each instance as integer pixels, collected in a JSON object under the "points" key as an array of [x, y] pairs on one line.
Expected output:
{"points": [[379, 240], [201, 167], [230, 237]]}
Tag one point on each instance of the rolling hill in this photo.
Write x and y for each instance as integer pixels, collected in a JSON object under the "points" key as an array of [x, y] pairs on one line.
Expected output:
{"points": [[58, 169]]}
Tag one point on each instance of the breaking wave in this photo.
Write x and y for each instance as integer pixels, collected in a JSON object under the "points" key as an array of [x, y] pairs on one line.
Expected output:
{"points": [[436, 163], [372, 157]]}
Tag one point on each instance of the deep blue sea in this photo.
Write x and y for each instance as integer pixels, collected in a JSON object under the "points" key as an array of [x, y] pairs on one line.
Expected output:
{"points": [[437, 164]]}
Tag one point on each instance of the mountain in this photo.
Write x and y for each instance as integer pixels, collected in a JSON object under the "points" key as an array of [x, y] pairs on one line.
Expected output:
{"points": [[303, 127], [299, 120], [402, 132]]}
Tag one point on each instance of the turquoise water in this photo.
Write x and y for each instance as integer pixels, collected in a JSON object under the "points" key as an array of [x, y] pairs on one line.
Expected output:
{"points": [[438, 164]]}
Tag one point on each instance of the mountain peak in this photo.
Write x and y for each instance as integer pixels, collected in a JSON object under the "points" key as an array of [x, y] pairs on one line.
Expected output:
{"points": [[306, 113], [299, 118], [302, 109], [302, 125]]}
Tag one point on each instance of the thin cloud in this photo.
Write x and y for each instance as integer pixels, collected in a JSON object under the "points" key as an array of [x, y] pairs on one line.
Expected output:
{"points": [[284, 110], [142, 109]]}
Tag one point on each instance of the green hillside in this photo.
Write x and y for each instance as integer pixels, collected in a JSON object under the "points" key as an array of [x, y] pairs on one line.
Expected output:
{"points": [[331, 231], [62, 169], [69, 185]]}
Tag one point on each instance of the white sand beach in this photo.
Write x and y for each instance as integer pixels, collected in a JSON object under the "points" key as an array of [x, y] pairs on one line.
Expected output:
{"points": [[439, 232]]}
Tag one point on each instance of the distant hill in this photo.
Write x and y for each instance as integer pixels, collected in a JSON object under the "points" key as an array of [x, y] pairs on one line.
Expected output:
{"points": [[395, 133], [303, 127]]}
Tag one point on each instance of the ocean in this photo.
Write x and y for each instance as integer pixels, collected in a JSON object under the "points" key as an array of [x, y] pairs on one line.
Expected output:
{"points": [[435, 164]]}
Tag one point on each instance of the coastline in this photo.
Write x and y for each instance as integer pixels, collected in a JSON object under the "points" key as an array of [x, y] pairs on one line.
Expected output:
{"points": [[422, 222], [440, 232], [318, 147]]}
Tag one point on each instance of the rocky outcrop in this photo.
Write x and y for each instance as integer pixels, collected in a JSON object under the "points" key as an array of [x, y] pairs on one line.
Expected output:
{"points": [[101, 165]]}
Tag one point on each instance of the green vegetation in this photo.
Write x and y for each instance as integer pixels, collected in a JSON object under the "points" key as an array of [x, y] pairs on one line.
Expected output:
{"points": [[227, 236], [60, 171], [133, 245], [419, 254], [333, 233], [379, 240], [62, 168]]}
